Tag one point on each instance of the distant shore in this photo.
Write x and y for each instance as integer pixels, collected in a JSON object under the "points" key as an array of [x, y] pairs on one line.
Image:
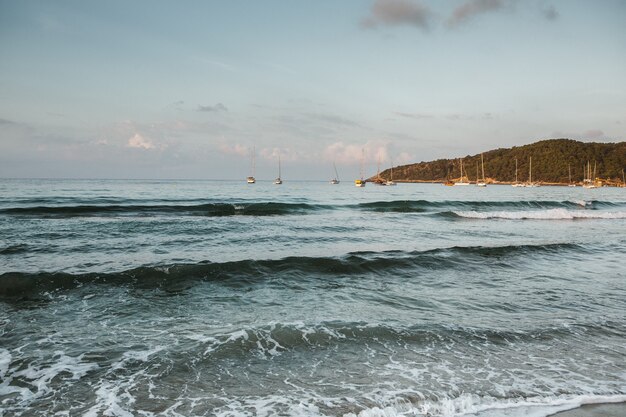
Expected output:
{"points": [[543, 184]]}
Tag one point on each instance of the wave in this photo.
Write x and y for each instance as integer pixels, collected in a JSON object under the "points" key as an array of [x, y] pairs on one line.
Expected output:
{"points": [[551, 214], [14, 249], [419, 206], [101, 207], [175, 276], [276, 338], [209, 209]]}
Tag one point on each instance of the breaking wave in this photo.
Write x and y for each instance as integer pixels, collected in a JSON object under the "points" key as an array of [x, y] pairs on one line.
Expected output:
{"points": [[551, 214]]}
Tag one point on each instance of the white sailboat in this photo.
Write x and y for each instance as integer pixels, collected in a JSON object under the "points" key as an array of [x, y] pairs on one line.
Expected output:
{"points": [[530, 182], [516, 183], [251, 179], [588, 182], [379, 180], [390, 181], [461, 182], [569, 170], [336, 179], [361, 182], [482, 182], [278, 180]]}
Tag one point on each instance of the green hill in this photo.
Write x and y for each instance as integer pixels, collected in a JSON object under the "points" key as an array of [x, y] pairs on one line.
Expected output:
{"points": [[550, 161]]}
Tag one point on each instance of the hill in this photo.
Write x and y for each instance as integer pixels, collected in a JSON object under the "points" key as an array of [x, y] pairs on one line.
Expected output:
{"points": [[550, 161]]}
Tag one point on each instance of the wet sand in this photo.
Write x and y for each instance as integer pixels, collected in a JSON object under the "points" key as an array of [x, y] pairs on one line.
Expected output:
{"points": [[596, 410]]}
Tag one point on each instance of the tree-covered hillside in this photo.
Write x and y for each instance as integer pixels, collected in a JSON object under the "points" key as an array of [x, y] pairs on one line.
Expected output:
{"points": [[550, 161]]}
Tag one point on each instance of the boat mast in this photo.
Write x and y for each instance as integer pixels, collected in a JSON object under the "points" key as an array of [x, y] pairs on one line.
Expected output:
{"points": [[569, 170], [362, 162], [594, 172], [482, 166], [530, 170], [476, 172], [515, 170], [336, 175], [461, 162]]}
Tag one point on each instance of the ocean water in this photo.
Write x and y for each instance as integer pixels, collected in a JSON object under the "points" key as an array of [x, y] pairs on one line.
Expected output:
{"points": [[216, 298]]}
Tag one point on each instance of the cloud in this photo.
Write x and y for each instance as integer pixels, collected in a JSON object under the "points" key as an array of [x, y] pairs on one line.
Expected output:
{"points": [[176, 105], [286, 154], [593, 134], [138, 141], [417, 116], [550, 13], [397, 13], [219, 107], [235, 149], [7, 122], [332, 119], [472, 8], [588, 134], [370, 152]]}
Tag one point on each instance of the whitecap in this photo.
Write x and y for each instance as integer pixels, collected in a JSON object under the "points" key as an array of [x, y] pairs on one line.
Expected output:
{"points": [[551, 214]]}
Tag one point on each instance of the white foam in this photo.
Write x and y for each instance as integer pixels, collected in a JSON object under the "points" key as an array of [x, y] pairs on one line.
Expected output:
{"points": [[473, 405], [39, 377], [5, 361], [232, 337], [108, 400], [551, 214]]}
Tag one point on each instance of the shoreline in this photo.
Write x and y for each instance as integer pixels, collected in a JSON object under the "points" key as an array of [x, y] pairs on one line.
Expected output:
{"points": [[595, 410], [543, 184]]}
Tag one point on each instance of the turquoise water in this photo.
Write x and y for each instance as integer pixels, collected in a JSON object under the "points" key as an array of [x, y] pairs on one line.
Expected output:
{"points": [[164, 298]]}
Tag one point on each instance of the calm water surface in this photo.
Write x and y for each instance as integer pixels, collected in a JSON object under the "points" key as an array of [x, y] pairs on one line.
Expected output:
{"points": [[216, 298]]}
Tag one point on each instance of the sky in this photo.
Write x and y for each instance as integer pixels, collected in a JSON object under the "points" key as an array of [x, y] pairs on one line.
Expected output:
{"points": [[190, 90]]}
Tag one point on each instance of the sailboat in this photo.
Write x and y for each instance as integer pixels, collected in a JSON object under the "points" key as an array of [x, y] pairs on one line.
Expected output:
{"points": [[569, 170], [336, 179], [278, 181], [390, 181], [361, 182], [379, 180], [623, 182], [530, 182], [461, 182], [448, 182], [251, 179], [587, 182], [482, 182], [516, 183]]}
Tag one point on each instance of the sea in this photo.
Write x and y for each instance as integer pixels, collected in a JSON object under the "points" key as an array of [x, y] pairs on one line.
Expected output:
{"points": [[221, 298]]}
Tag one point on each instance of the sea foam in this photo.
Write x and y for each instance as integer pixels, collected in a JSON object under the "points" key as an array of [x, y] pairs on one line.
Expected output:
{"points": [[551, 214]]}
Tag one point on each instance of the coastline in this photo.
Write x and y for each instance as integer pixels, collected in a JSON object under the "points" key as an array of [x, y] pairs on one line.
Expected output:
{"points": [[595, 410], [543, 184]]}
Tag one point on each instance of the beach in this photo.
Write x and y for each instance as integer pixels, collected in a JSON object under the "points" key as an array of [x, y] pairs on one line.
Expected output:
{"points": [[596, 410]]}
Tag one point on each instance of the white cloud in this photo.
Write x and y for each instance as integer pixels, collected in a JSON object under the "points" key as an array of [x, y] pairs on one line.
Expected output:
{"points": [[286, 154], [472, 8], [586, 135], [369, 152], [397, 13], [138, 141], [235, 149]]}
